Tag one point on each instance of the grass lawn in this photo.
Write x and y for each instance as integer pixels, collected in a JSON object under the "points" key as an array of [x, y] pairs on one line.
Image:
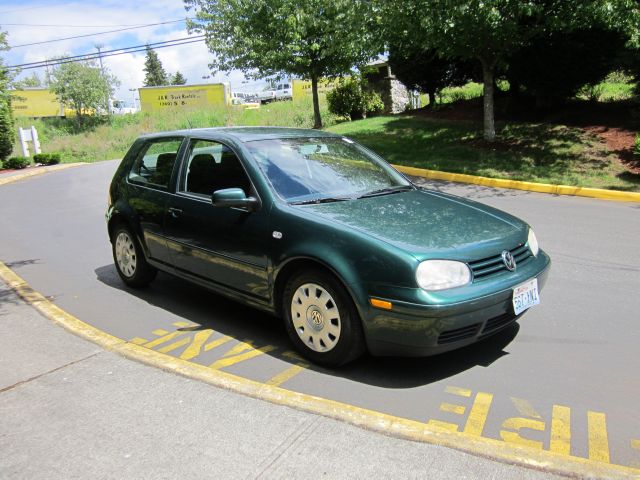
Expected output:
{"points": [[533, 152]]}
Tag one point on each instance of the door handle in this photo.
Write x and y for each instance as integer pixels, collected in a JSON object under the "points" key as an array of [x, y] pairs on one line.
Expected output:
{"points": [[175, 212]]}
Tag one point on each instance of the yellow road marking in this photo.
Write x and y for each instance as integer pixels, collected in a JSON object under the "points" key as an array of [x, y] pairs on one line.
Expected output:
{"points": [[525, 408], [463, 392], [175, 345], [240, 347], [518, 424], [449, 427], [598, 437], [478, 414], [138, 340], [216, 343], [194, 349], [560, 430], [160, 332], [520, 185], [451, 408], [163, 339], [227, 362], [288, 374]]}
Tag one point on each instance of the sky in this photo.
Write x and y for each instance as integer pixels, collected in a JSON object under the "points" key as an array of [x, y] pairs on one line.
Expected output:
{"points": [[72, 18]]}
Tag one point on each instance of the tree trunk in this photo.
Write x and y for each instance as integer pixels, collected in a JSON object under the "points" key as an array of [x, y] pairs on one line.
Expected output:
{"points": [[489, 117], [431, 94], [317, 120]]}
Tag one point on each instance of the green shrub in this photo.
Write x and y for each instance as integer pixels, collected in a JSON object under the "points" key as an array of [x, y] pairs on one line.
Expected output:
{"points": [[351, 100], [7, 129], [16, 163], [47, 158], [637, 149]]}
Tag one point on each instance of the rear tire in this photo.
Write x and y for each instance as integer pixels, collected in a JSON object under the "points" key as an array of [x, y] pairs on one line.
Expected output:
{"points": [[321, 319], [131, 264]]}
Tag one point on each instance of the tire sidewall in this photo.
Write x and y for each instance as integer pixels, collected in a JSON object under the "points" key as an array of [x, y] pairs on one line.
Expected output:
{"points": [[144, 273], [350, 343]]}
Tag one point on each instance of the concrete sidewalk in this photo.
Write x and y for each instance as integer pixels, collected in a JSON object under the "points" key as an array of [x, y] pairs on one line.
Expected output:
{"points": [[69, 409]]}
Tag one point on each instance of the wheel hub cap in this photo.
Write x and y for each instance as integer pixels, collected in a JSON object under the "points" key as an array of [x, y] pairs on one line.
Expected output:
{"points": [[316, 317]]}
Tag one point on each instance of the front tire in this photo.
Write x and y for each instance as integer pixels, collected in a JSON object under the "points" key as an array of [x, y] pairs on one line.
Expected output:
{"points": [[131, 264], [321, 319]]}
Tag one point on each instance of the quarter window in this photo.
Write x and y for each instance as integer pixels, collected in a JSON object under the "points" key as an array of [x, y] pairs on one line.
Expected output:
{"points": [[154, 163], [212, 166]]}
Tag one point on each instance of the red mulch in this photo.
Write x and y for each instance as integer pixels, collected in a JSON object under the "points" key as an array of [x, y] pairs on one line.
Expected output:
{"points": [[621, 142]]}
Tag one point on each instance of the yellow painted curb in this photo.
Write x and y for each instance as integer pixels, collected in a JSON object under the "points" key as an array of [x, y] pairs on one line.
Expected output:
{"points": [[32, 172], [518, 185], [361, 417]]}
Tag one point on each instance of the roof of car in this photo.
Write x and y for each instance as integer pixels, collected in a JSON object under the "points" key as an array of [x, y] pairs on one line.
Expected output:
{"points": [[246, 134]]}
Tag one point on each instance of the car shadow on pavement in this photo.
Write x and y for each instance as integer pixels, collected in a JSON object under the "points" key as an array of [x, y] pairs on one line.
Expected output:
{"points": [[210, 310]]}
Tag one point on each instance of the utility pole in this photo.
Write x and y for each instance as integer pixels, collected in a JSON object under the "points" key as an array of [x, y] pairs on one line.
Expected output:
{"points": [[98, 47]]}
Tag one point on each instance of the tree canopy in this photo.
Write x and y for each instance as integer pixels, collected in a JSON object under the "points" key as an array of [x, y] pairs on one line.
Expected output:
{"points": [[7, 130], [83, 87], [306, 38], [178, 79], [155, 75]]}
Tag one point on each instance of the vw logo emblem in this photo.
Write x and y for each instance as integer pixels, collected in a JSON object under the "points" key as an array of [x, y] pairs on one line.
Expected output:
{"points": [[316, 317], [508, 260]]}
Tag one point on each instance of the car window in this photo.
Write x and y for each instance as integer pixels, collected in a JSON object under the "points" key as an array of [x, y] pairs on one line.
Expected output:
{"points": [[212, 166], [302, 169], [154, 163]]}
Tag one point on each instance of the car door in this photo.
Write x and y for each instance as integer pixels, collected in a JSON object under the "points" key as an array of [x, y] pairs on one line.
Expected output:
{"points": [[225, 246], [149, 181]]}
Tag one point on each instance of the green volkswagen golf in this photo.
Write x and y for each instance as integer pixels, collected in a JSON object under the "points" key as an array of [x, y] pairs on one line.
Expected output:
{"points": [[316, 229]]}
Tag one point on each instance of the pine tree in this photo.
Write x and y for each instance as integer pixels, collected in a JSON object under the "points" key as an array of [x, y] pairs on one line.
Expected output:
{"points": [[154, 72], [178, 79]]}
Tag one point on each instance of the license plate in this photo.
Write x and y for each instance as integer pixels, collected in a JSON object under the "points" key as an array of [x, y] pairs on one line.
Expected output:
{"points": [[525, 296]]}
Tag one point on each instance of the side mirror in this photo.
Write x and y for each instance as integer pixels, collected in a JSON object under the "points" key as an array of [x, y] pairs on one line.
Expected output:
{"points": [[234, 198]]}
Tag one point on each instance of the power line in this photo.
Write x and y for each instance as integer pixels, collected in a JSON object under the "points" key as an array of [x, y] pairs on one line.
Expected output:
{"points": [[79, 26], [94, 34], [108, 53], [84, 56]]}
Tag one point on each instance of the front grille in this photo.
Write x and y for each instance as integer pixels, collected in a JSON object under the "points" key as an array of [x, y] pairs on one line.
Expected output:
{"points": [[458, 334], [490, 266]]}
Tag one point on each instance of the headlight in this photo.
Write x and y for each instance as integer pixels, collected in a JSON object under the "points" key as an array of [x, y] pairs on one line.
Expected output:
{"points": [[442, 274], [533, 243]]}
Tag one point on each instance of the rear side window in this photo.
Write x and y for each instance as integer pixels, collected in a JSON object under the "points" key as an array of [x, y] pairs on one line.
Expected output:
{"points": [[212, 166], [154, 163]]}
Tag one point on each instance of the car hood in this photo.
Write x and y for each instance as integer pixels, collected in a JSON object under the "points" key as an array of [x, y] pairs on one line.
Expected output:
{"points": [[429, 224]]}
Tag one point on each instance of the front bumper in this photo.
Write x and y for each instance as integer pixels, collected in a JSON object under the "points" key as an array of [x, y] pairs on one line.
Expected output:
{"points": [[422, 329]]}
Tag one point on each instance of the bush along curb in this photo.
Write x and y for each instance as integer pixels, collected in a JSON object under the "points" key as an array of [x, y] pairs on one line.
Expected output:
{"points": [[519, 185], [47, 158]]}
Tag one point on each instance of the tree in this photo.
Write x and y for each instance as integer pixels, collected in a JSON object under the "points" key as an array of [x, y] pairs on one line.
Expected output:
{"points": [[425, 70], [178, 79], [155, 74], [7, 129], [29, 82], [553, 67], [307, 38], [83, 87], [482, 30]]}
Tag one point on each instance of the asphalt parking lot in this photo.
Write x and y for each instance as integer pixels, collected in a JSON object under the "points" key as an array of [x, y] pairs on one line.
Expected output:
{"points": [[564, 379]]}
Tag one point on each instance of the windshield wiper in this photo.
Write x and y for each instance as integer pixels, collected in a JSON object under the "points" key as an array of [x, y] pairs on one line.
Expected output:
{"points": [[316, 201], [387, 191]]}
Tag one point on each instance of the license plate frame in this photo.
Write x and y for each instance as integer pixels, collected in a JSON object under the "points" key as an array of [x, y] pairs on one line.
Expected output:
{"points": [[525, 296]]}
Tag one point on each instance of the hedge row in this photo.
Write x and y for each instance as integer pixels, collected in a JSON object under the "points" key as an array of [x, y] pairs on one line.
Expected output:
{"points": [[16, 163]]}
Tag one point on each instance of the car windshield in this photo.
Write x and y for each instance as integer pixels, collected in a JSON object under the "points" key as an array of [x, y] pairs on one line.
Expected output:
{"points": [[309, 170]]}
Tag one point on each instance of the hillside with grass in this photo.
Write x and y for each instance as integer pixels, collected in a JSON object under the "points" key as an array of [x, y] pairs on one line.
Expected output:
{"points": [[589, 142]]}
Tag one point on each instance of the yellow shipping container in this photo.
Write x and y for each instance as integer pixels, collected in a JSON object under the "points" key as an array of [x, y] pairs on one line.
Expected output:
{"points": [[302, 88], [153, 99], [36, 102]]}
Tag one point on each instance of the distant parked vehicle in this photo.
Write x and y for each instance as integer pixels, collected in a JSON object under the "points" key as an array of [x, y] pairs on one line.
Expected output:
{"points": [[267, 96], [284, 92]]}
